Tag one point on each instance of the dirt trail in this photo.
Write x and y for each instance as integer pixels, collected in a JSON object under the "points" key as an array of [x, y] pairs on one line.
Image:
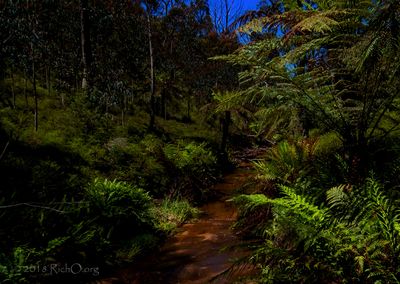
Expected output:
{"points": [[194, 255]]}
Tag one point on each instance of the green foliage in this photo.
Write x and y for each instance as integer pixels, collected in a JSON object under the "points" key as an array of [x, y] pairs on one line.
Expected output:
{"points": [[250, 203], [271, 122], [286, 162], [114, 222], [114, 212], [197, 164], [136, 246], [354, 238], [103, 223], [172, 213], [198, 130], [154, 165], [190, 156], [323, 67], [101, 133], [327, 143], [13, 266], [139, 163], [116, 201], [254, 209]]}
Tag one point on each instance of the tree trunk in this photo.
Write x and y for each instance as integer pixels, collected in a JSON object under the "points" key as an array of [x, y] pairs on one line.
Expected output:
{"points": [[85, 45], [225, 130], [25, 89], [188, 109], [123, 110], [34, 89], [163, 110], [48, 80], [152, 90], [13, 87]]}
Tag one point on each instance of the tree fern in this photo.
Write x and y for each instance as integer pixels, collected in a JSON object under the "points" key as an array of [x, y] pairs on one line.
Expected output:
{"points": [[325, 64]]}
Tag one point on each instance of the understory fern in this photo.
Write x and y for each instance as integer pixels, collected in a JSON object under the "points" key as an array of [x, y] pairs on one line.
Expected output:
{"points": [[343, 240], [286, 161]]}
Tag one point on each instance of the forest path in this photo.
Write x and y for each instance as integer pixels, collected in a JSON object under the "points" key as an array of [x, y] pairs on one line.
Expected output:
{"points": [[200, 250]]}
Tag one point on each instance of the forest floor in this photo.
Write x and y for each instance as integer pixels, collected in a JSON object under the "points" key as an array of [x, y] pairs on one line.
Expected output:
{"points": [[202, 251]]}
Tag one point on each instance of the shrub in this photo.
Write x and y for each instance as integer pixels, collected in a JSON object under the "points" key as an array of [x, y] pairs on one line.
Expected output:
{"points": [[172, 213], [110, 214], [139, 163], [286, 162], [124, 207], [196, 165], [327, 144], [192, 157]]}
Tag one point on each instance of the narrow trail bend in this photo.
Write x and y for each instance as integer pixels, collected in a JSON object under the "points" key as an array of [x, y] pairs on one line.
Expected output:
{"points": [[197, 252]]}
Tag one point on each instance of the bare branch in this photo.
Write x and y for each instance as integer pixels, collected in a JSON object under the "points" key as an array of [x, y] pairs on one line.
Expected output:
{"points": [[4, 150], [225, 13], [31, 205]]}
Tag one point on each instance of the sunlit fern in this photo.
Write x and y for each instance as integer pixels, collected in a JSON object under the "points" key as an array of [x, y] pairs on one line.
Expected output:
{"points": [[318, 241]]}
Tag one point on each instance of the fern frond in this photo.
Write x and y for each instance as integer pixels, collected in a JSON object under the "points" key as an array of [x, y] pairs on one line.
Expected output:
{"points": [[337, 197], [302, 206], [316, 22], [248, 203]]}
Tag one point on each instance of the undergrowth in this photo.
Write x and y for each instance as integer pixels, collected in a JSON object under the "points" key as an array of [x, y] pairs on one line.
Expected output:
{"points": [[90, 190]]}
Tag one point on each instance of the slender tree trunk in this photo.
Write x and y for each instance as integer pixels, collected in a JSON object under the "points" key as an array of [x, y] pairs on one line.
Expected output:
{"points": [[123, 110], [188, 109], [225, 130], [13, 87], [34, 89], [48, 80], [85, 44], [125, 102], [165, 108], [25, 89], [77, 83], [163, 104], [152, 90], [2, 77]]}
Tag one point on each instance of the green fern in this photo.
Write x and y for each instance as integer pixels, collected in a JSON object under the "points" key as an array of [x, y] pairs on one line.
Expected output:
{"points": [[324, 68], [319, 241], [286, 162]]}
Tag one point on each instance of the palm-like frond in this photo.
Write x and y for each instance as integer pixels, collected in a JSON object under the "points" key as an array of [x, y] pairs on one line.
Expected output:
{"points": [[337, 61]]}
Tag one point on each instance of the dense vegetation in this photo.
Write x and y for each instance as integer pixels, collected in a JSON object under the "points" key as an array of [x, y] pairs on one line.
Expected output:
{"points": [[115, 119], [104, 147], [325, 78]]}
